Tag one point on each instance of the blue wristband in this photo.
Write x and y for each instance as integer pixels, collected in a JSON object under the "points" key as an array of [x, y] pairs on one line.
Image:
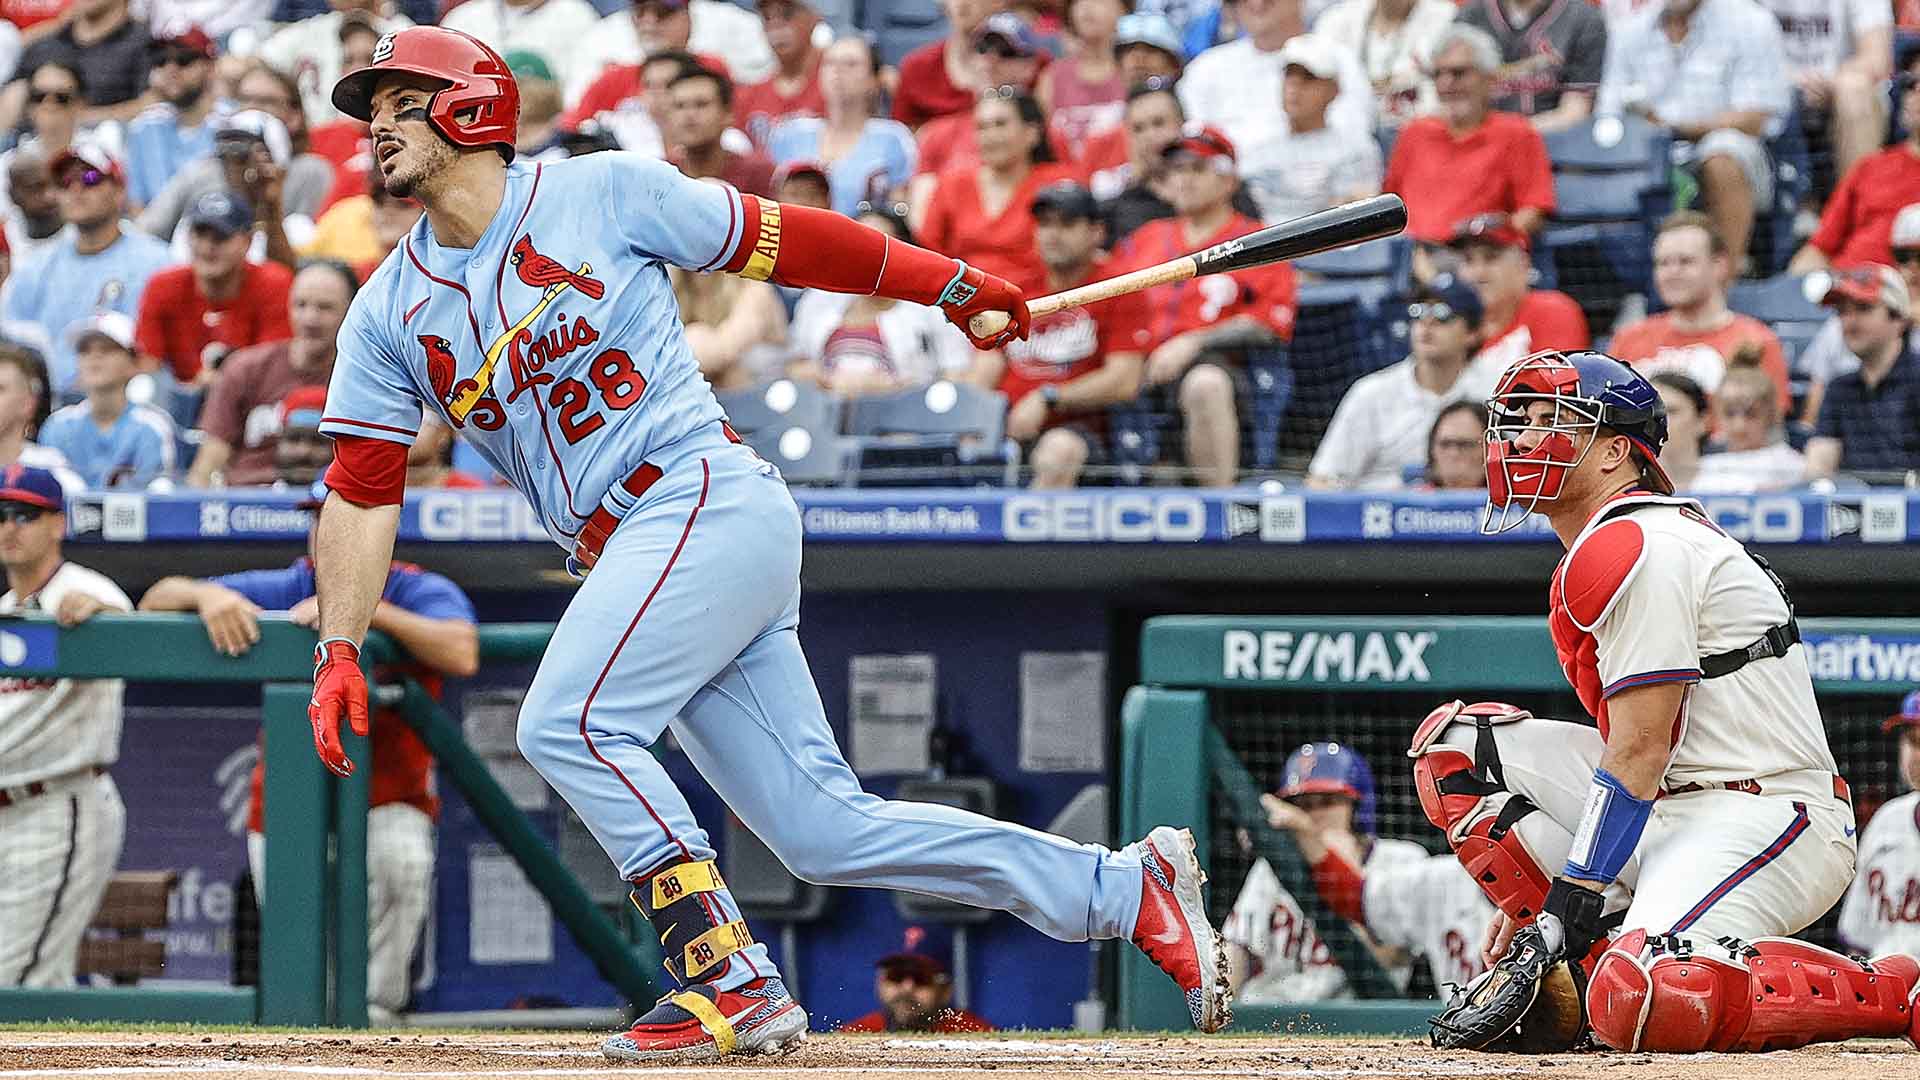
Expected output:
{"points": [[1609, 830]]}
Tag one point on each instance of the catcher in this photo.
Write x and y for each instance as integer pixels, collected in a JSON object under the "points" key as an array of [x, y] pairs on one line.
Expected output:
{"points": [[1651, 866]]}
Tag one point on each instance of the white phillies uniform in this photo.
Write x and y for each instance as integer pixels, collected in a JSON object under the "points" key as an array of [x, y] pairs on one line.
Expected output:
{"points": [[1289, 962], [59, 847], [1882, 911], [1432, 908]]}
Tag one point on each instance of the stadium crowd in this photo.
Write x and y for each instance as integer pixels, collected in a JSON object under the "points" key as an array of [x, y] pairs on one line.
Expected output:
{"points": [[186, 218]]}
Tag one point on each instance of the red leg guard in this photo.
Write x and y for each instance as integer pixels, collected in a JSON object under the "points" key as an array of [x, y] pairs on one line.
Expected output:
{"points": [[1478, 821], [1674, 994]]}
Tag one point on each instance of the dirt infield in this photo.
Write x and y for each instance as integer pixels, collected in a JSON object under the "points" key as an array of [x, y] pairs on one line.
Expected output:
{"points": [[833, 1057]]}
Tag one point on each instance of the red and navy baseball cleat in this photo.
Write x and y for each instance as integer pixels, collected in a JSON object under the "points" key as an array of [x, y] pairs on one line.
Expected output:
{"points": [[700, 1023], [1173, 929]]}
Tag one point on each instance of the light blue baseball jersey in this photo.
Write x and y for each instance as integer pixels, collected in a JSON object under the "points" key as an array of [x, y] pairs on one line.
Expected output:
{"points": [[137, 449], [62, 288], [554, 345]]}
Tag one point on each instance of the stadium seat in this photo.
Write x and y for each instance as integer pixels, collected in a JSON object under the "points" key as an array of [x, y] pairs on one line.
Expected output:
{"points": [[941, 432], [901, 26], [1772, 245], [1776, 300], [781, 404], [1271, 372], [1611, 184], [1388, 261], [813, 456], [1634, 144]]}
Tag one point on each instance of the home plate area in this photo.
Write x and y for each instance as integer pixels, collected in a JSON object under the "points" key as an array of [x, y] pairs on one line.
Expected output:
{"points": [[221, 1055]]}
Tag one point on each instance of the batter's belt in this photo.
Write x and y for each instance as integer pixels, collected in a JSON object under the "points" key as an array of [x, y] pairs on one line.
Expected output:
{"points": [[600, 524], [1754, 787]]}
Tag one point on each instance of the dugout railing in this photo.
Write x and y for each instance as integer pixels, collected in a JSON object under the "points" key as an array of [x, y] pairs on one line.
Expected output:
{"points": [[1222, 700], [313, 933]]}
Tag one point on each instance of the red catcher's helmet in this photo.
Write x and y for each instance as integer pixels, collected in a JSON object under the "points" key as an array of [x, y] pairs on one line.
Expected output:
{"points": [[476, 80]]}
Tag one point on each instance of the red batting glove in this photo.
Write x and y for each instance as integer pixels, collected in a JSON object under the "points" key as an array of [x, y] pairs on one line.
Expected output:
{"points": [[338, 686], [973, 291]]}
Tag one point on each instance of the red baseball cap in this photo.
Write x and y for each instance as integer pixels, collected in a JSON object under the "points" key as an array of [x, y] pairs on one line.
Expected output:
{"points": [[187, 36], [1870, 283], [91, 155], [1495, 229], [303, 407], [1207, 142]]}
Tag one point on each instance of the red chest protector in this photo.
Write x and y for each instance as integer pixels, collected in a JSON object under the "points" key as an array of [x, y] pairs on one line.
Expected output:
{"points": [[1578, 652]]}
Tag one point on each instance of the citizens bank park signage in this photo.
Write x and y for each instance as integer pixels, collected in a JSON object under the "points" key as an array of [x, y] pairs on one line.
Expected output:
{"points": [[1464, 656]]}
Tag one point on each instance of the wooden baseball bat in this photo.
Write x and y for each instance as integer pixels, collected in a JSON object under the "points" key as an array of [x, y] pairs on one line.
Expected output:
{"points": [[1322, 230]]}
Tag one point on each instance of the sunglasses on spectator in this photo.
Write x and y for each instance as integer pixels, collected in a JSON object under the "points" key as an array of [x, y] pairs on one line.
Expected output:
{"points": [[20, 513], [1435, 310], [177, 57], [1904, 255], [1002, 92], [58, 97], [87, 177]]}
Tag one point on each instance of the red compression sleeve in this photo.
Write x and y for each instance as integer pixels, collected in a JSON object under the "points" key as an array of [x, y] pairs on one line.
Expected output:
{"points": [[1341, 886], [368, 472], [819, 249]]}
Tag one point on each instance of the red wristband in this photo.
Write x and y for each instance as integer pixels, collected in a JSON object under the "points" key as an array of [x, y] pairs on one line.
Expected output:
{"points": [[818, 249]]}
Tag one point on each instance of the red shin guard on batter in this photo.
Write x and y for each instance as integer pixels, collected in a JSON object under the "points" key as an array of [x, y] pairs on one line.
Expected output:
{"points": [[1674, 994]]}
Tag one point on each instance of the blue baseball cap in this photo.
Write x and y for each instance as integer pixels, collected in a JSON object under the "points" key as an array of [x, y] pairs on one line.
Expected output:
{"points": [[222, 211], [34, 487], [925, 951], [1908, 716], [1154, 31], [1010, 29], [1456, 294]]}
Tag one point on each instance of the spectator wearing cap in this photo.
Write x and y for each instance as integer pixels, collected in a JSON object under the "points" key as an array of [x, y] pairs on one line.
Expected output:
{"points": [[1519, 319], [701, 109], [361, 230], [301, 453], [866, 157], [1380, 429], [240, 421], [1826, 357], [1870, 418], [23, 406], [1393, 40], [1552, 56], [630, 101], [539, 136], [555, 29], [178, 127], [944, 77], [803, 183], [1877, 916], [1310, 164], [64, 820], [32, 221], [1839, 55], [1195, 328], [93, 266], [1502, 152], [1136, 190], [254, 164], [316, 48], [1857, 225], [859, 345], [1754, 456], [1712, 73], [725, 36], [1010, 58], [109, 439], [914, 988], [1146, 46], [1698, 335], [192, 316], [983, 215], [1457, 448], [793, 90], [1084, 92], [106, 47], [1219, 83], [1075, 363]]}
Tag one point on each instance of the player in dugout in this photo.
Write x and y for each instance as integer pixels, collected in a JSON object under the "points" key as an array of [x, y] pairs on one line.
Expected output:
{"points": [[1882, 911], [530, 310], [1670, 849], [433, 622]]}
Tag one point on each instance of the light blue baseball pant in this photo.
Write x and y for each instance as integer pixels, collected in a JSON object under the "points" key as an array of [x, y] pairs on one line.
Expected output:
{"points": [[689, 618]]}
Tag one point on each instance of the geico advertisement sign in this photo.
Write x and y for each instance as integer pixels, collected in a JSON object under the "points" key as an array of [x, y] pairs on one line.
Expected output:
{"points": [[1121, 519], [1323, 656], [478, 515]]}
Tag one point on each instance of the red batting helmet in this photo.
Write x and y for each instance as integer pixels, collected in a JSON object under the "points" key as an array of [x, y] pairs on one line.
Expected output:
{"points": [[477, 83]]}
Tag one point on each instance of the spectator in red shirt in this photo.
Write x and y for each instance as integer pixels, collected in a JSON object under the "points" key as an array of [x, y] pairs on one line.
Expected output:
{"points": [[1857, 225], [1083, 93], [191, 316], [984, 215], [1698, 336], [794, 88], [1469, 159], [631, 101], [240, 422], [1009, 56], [1195, 326], [1519, 319], [1074, 363], [702, 108], [916, 990], [943, 77]]}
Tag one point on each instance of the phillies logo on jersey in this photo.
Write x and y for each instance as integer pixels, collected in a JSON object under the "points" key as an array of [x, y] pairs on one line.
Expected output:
{"points": [[541, 272]]}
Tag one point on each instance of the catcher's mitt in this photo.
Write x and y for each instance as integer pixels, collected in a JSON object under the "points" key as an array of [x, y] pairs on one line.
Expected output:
{"points": [[1528, 1003]]}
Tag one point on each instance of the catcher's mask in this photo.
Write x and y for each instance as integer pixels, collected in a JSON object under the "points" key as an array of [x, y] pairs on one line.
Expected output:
{"points": [[1531, 449]]}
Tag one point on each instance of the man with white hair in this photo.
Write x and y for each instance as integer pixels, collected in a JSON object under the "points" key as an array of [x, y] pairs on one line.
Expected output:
{"points": [[1714, 74], [1469, 159], [1551, 57]]}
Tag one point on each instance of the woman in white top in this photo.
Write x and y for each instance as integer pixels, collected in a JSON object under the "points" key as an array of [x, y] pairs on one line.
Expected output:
{"points": [[1393, 39]]}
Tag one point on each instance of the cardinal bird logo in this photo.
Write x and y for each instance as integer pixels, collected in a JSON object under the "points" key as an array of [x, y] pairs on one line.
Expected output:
{"points": [[439, 364], [539, 271]]}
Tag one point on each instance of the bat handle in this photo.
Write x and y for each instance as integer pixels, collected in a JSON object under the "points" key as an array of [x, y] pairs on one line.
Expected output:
{"points": [[988, 323]]}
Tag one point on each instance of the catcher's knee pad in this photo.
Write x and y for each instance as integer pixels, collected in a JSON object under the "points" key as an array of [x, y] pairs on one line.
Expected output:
{"points": [[1675, 994], [696, 937]]}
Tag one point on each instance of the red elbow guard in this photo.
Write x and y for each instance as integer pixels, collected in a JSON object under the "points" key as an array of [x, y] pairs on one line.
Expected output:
{"points": [[819, 249], [368, 472], [1341, 886]]}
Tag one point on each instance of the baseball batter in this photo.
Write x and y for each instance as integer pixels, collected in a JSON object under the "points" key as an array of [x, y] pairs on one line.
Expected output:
{"points": [[530, 310], [1669, 849], [1882, 910]]}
